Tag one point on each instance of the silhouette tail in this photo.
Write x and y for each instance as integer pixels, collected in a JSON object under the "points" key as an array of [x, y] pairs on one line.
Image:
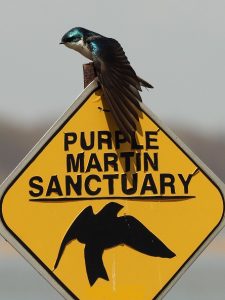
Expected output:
{"points": [[94, 264]]}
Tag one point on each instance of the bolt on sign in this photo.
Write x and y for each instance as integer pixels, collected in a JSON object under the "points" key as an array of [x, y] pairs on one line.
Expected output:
{"points": [[101, 218]]}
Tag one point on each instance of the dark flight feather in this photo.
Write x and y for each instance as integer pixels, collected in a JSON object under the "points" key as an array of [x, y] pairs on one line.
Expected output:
{"points": [[119, 82]]}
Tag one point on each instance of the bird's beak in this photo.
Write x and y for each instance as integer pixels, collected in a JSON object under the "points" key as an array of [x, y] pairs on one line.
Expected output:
{"points": [[61, 43]]}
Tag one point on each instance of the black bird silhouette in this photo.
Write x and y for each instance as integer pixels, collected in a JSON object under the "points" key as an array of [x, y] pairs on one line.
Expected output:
{"points": [[105, 230]]}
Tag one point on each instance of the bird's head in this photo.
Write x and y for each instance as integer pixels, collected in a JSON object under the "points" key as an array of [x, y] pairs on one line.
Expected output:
{"points": [[76, 38]]}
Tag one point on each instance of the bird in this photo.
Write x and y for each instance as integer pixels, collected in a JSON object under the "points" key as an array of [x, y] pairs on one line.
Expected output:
{"points": [[118, 80], [105, 230]]}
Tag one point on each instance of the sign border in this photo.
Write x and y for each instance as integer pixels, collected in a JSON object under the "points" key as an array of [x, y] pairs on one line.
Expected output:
{"points": [[27, 253]]}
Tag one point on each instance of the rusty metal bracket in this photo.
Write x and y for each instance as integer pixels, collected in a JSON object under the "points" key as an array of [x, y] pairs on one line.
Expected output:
{"points": [[89, 73]]}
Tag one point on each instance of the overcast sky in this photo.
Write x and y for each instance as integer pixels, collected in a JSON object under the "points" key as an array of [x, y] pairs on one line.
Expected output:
{"points": [[178, 46]]}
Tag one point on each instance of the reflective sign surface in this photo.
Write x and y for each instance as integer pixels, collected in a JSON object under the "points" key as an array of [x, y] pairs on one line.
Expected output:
{"points": [[106, 219]]}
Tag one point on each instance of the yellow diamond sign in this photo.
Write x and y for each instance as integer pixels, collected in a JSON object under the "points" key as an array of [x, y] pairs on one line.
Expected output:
{"points": [[101, 218]]}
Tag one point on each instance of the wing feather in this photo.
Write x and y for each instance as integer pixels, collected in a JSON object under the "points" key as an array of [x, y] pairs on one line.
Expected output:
{"points": [[123, 126], [123, 105], [119, 83], [132, 92], [125, 95]]}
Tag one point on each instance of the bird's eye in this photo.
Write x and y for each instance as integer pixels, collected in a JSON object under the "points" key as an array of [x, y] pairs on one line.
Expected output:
{"points": [[76, 39]]}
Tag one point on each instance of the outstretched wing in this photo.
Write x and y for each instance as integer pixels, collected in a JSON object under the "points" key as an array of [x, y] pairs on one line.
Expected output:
{"points": [[75, 230], [70, 235], [138, 237], [119, 83]]}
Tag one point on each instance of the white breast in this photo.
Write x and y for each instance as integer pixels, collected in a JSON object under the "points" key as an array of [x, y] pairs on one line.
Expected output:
{"points": [[81, 48]]}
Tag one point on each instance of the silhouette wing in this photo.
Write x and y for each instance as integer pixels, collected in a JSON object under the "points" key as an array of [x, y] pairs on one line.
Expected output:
{"points": [[94, 264], [138, 237], [74, 231], [119, 83], [69, 236]]}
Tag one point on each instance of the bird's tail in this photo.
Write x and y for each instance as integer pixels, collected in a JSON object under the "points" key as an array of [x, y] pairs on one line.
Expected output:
{"points": [[94, 264], [145, 83]]}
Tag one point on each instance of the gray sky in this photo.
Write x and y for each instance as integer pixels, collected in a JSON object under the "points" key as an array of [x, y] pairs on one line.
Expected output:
{"points": [[178, 46]]}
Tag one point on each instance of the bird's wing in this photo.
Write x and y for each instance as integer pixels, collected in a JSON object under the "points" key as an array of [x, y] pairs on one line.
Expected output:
{"points": [[138, 237], [94, 264], [69, 236], [119, 83], [76, 228]]}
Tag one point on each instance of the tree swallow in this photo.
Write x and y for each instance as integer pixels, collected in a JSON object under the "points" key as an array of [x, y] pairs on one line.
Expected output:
{"points": [[105, 230], [118, 80]]}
